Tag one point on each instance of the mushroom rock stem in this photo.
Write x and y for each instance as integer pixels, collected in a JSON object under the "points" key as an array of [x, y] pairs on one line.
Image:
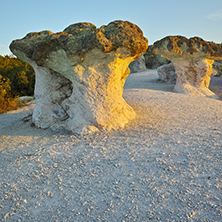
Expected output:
{"points": [[80, 74]]}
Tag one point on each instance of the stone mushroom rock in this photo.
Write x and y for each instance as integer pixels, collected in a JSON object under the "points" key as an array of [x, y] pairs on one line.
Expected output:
{"points": [[192, 59], [138, 65], [80, 74]]}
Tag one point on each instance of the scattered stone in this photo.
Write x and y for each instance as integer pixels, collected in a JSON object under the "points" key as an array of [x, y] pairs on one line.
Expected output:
{"points": [[80, 74], [192, 59]]}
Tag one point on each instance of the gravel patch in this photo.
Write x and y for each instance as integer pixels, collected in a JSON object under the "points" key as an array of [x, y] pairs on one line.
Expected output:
{"points": [[163, 166]]}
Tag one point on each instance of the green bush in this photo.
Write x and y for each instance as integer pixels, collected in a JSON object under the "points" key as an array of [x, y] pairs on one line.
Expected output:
{"points": [[5, 87], [17, 78], [20, 74]]}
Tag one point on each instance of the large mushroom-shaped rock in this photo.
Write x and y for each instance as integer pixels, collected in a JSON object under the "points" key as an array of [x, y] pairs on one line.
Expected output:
{"points": [[192, 59], [80, 74]]}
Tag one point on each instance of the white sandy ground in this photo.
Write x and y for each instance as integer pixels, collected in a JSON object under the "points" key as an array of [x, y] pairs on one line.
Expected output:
{"points": [[164, 166]]}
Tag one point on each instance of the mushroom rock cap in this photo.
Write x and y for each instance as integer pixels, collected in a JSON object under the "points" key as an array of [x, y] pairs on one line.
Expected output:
{"points": [[192, 49], [80, 38]]}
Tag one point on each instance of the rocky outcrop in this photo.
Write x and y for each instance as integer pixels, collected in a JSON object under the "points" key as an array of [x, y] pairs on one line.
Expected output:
{"points": [[167, 73], [138, 65], [192, 59], [80, 74], [217, 66], [153, 61]]}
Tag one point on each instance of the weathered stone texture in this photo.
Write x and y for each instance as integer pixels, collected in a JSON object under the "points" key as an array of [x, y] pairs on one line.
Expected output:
{"points": [[167, 73], [80, 74]]}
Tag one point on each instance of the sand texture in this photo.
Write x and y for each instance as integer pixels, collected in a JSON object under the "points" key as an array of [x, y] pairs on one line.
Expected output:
{"points": [[165, 165]]}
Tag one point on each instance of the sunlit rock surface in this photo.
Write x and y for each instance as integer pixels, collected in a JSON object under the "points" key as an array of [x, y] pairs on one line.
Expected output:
{"points": [[80, 74], [192, 59]]}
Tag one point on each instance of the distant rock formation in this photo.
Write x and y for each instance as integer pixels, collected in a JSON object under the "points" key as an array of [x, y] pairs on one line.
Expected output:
{"points": [[153, 61], [192, 59], [148, 60], [80, 74], [167, 73], [217, 66], [138, 65]]}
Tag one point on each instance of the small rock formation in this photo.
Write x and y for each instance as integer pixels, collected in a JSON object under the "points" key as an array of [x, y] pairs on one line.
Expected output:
{"points": [[80, 74], [138, 65], [167, 73], [192, 59], [154, 61], [217, 66]]}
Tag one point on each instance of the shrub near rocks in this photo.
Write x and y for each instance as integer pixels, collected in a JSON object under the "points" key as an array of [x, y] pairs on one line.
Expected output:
{"points": [[7, 102], [17, 78], [20, 74]]}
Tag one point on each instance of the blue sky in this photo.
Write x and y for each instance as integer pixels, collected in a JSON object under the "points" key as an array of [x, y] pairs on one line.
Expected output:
{"points": [[157, 18]]}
